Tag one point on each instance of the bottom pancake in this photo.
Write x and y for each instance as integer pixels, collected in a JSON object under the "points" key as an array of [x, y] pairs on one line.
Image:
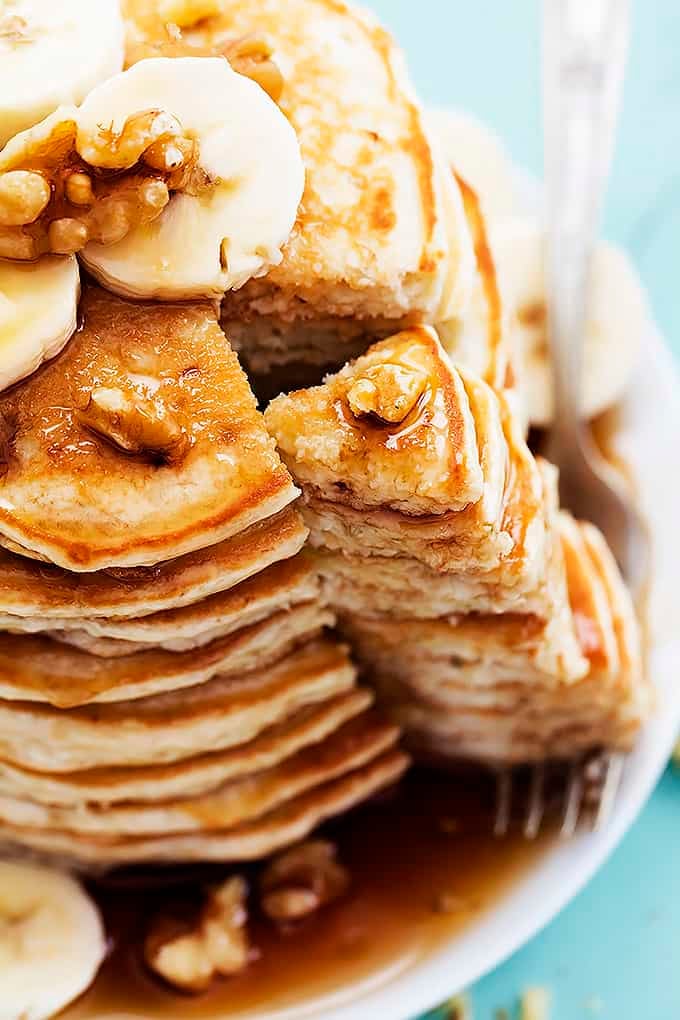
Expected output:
{"points": [[251, 841]]}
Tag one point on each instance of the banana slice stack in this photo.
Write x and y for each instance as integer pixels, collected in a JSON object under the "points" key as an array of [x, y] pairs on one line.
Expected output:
{"points": [[176, 179]]}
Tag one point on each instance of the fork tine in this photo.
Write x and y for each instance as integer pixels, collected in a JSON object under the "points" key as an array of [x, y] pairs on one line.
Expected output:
{"points": [[503, 802], [536, 805], [613, 765], [572, 799]]}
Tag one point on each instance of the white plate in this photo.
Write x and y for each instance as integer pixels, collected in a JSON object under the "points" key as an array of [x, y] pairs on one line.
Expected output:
{"points": [[647, 438]]}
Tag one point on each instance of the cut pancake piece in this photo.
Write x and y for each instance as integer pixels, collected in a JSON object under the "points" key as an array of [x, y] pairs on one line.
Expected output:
{"points": [[189, 777], [488, 520], [353, 745], [279, 587], [503, 532], [392, 429], [140, 442], [499, 690], [38, 669], [220, 713], [31, 589], [281, 827]]}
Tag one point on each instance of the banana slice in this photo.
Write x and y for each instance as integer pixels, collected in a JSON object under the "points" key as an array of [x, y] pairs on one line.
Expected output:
{"points": [[38, 311], [51, 941], [229, 224], [479, 157], [54, 52], [617, 319]]}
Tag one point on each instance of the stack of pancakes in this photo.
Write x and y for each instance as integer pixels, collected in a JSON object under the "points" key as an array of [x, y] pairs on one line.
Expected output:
{"points": [[167, 691], [493, 628]]}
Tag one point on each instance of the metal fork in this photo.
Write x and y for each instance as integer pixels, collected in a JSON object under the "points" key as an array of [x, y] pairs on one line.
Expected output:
{"points": [[584, 53]]}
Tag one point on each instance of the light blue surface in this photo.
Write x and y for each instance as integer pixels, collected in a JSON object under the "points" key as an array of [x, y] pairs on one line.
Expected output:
{"points": [[614, 954]]}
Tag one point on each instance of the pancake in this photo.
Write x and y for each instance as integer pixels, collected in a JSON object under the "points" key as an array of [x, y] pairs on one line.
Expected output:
{"points": [[190, 776], [233, 803], [186, 461], [395, 425], [38, 669], [371, 236], [279, 587], [30, 589], [281, 827], [221, 713]]}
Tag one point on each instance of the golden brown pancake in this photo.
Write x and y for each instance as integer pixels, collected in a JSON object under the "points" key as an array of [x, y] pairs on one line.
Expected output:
{"points": [[280, 586], [30, 589], [351, 746], [38, 669], [190, 776], [220, 713], [285, 825], [140, 442]]}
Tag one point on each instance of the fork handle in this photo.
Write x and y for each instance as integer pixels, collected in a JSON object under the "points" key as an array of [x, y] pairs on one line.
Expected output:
{"points": [[584, 51]]}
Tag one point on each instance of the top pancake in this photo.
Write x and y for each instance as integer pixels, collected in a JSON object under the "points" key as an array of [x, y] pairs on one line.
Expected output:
{"points": [[371, 235], [392, 429], [201, 466]]}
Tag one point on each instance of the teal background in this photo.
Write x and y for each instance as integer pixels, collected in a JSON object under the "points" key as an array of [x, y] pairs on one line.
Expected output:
{"points": [[614, 953]]}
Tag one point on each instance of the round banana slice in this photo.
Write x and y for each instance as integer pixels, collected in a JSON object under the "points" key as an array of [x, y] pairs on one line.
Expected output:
{"points": [[54, 52], [479, 157], [616, 323], [51, 941], [230, 220], [38, 313]]}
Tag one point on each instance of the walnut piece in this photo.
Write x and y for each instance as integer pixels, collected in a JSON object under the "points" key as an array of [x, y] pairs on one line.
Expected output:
{"points": [[65, 187], [388, 392], [135, 424], [302, 880], [190, 957]]}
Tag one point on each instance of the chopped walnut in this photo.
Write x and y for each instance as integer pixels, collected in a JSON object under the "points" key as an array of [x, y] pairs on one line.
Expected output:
{"points": [[135, 424], [93, 186], [301, 880], [189, 957], [388, 392]]}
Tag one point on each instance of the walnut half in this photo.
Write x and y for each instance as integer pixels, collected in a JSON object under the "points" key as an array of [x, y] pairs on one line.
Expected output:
{"points": [[135, 424], [302, 880], [388, 392], [190, 957]]}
